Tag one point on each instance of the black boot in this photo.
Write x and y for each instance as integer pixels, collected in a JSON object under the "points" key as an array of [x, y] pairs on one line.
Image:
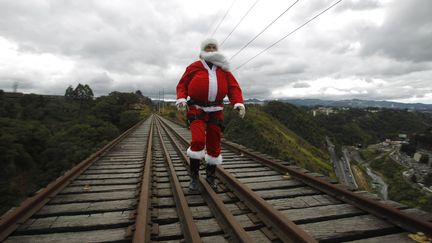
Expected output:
{"points": [[210, 171], [194, 170]]}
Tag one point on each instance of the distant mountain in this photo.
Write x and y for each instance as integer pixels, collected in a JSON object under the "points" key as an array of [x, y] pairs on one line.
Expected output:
{"points": [[253, 101], [356, 103]]}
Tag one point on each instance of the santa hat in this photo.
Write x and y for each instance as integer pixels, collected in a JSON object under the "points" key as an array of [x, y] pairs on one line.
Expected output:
{"points": [[209, 41]]}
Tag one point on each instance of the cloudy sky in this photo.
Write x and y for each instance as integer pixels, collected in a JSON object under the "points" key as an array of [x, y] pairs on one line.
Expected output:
{"points": [[366, 49]]}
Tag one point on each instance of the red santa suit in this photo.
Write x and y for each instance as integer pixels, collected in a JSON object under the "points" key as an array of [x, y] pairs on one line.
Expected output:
{"points": [[207, 87]]}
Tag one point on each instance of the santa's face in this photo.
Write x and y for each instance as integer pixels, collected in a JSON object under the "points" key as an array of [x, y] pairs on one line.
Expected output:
{"points": [[210, 48]]}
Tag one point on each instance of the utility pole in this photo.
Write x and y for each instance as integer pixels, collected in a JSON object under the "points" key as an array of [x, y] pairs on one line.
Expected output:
{"points": [[15, 87], [163, 100], [159, 94]]}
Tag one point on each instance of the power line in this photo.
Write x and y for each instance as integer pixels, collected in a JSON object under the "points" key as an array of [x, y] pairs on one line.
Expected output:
{"points": [[244, 16], [292, 32], [262, 31], [226, 13]]}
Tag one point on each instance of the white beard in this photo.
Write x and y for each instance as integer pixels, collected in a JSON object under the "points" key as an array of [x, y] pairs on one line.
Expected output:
{"points": [[216, 58]]}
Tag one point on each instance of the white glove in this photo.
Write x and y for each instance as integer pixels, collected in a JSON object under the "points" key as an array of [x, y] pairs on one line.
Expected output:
{"points": [[181, 104], [241, 109]]}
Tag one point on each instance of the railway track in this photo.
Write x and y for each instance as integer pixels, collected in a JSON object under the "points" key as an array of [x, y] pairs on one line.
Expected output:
{"points": [[135, 189], [326, 212]]}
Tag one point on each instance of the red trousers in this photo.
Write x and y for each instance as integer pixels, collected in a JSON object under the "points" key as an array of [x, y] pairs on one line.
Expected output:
{"points": [[206, 134]]}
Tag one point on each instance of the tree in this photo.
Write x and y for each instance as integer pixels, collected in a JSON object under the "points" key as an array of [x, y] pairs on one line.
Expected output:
{"points": [[138, 93], [83, 92], [128, 119], [69, 93], [33, 107], [125, 99]]}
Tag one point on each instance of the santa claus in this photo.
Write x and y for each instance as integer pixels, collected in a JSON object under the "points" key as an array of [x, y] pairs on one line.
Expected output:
{"points": [[202, 89]]}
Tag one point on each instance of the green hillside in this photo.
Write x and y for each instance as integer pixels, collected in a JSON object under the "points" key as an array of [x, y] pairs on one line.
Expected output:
{"points": [[299, 120]]}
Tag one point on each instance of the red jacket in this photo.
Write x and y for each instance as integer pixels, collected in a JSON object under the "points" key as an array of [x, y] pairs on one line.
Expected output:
{"points": [[207, 85]]}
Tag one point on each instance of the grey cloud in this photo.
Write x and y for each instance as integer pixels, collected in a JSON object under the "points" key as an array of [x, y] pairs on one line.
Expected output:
{"points": [[290, 67], [87, 30], [257, 92], [147, 45], [22, 82], [100, 81], [405, 34], [359, 5], [375, 66], [301, 85], [304, 10]]}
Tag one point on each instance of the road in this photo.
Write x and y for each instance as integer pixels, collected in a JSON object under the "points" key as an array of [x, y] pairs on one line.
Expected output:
{"points": [[341, 167], [347, 168]]}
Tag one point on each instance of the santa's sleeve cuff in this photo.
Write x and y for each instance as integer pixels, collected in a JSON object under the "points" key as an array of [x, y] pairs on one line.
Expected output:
{"points": [[181, 100], [237, 105]]}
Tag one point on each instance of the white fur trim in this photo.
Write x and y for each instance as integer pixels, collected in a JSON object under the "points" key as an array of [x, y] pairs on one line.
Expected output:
{"points": [[217, 58], [181, 100], [209, 108], [213, 84], [195, 154], [241, 109], [213, 160], [238, 105], [209, 41]]}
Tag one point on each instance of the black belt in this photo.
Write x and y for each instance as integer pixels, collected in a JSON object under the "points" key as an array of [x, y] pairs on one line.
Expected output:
{"points": [[204, 104], [211, 119]]}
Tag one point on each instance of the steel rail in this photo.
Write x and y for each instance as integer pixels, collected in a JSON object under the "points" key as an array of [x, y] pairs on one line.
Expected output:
{"points": [[229, 223], [284, 228], [395, 216], [189, 227], [142, 225], [11, 220]]}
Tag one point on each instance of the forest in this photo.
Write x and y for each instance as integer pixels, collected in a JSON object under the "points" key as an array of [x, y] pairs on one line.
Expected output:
{"points": [[43, 136]]}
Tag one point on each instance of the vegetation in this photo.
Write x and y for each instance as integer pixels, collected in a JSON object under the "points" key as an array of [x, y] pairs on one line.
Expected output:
{"points": [[299, 120], [400, 189], [362, 178], [42, 136], [360, 126]]}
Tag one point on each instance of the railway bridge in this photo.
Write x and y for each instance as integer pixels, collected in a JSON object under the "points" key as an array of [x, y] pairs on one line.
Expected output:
{"points": [[136, 189]]}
